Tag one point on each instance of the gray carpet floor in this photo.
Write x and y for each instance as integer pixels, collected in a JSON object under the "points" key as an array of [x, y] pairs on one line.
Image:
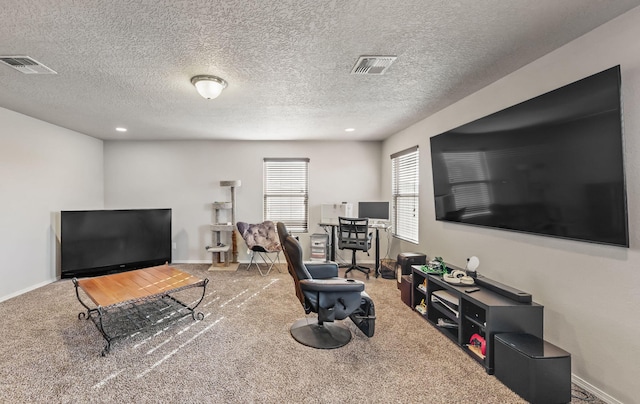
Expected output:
{"points": [[241, 352]]}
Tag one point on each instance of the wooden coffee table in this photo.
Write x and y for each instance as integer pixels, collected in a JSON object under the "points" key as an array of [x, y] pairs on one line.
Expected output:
{"points": [[131, 300]]}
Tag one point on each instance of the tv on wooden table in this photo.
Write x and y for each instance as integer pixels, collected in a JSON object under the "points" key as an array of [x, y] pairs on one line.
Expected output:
{"points": [[98, 242]]}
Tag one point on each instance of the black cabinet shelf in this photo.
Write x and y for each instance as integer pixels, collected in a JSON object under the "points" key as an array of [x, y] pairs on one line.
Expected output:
{"points": [[476, 323], [484, 313], [441, 311], [475, 355], [452, 333], [418, 295]]}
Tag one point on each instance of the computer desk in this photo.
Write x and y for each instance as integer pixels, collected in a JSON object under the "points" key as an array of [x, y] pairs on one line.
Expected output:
{"points": [[332, 240], [377, 227]]}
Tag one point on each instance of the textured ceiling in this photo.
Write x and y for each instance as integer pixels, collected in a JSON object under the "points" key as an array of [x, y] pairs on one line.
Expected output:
{"points": [[287, 62]]}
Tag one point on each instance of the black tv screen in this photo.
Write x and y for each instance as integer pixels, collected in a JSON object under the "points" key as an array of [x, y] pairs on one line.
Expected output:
{"points": [[97, 242], [552, 165]]}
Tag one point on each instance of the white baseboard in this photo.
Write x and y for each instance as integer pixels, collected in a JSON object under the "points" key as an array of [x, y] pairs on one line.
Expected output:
{"points": [[191, 262], [594, 390], [209, 262], [29, 289]]}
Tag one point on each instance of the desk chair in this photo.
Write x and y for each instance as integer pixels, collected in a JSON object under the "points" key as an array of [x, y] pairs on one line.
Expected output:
{"points": [[321, 291], [353, 234]]}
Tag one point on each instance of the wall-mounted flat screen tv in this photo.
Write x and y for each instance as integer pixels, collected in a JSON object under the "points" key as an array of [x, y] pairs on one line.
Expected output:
{"points": [[552, 165], [98, 242]]}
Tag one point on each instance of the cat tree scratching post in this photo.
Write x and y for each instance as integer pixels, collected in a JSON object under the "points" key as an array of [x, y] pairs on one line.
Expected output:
{"points": [[234, 244], [223, 230]]}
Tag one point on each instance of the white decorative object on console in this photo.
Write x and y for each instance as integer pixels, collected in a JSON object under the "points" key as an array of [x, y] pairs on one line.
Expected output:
{"points": [[472, 265]]}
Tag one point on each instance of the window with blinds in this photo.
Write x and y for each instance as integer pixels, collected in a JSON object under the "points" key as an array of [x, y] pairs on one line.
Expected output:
{"points": [[286, 192], [404, 190]]}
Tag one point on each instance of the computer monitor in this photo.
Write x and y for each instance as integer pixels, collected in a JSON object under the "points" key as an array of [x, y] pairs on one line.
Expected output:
{"points": [[374, 210]]}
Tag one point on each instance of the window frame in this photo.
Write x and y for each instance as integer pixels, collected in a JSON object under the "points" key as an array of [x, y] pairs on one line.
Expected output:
{"points": [[405, 194]]}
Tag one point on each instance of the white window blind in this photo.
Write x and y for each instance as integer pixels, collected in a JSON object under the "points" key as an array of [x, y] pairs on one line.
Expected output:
{"points": [[286, 192], [404, 189]]}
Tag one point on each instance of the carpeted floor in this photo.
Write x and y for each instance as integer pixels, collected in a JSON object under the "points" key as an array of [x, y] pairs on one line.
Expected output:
{"points": [[240, 353]]}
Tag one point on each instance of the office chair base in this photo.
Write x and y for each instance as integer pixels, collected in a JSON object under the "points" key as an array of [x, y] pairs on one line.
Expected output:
{"points": [[365, 317], [362, 269], [326, 336]]}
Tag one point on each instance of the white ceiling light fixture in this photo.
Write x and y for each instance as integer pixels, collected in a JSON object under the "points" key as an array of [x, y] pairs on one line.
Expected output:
{"points": [[208, 86], [121, 129], [350, 129]]}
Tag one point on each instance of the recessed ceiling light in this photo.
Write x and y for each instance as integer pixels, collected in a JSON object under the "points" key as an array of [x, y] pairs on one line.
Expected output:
{"points": [[121, 129], [349, 129]]}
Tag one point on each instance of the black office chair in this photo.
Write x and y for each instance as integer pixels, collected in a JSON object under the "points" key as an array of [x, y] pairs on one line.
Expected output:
{"points": [[321, 291], [353, 234]]}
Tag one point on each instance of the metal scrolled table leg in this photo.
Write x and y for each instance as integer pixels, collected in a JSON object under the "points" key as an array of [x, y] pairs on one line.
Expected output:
{"points": [[194, 315]]}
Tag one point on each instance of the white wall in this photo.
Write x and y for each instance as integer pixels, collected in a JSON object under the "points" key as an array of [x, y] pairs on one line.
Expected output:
{"points": [[43, 169], [185, 176], [591, 293]]}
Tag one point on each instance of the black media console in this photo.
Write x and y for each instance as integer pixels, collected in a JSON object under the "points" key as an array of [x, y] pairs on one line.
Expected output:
{"points": [[463, 316]]}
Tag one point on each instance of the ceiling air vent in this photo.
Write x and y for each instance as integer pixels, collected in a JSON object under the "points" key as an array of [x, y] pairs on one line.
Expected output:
{"points": [[375, 65], [26, 65]]}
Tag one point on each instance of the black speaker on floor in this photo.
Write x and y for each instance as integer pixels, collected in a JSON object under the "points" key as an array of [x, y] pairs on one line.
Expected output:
{"points": [[537, 370], [404, 262]]}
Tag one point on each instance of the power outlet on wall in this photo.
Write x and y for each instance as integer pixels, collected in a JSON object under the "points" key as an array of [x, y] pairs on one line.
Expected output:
{"points": [[174, 245]]}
